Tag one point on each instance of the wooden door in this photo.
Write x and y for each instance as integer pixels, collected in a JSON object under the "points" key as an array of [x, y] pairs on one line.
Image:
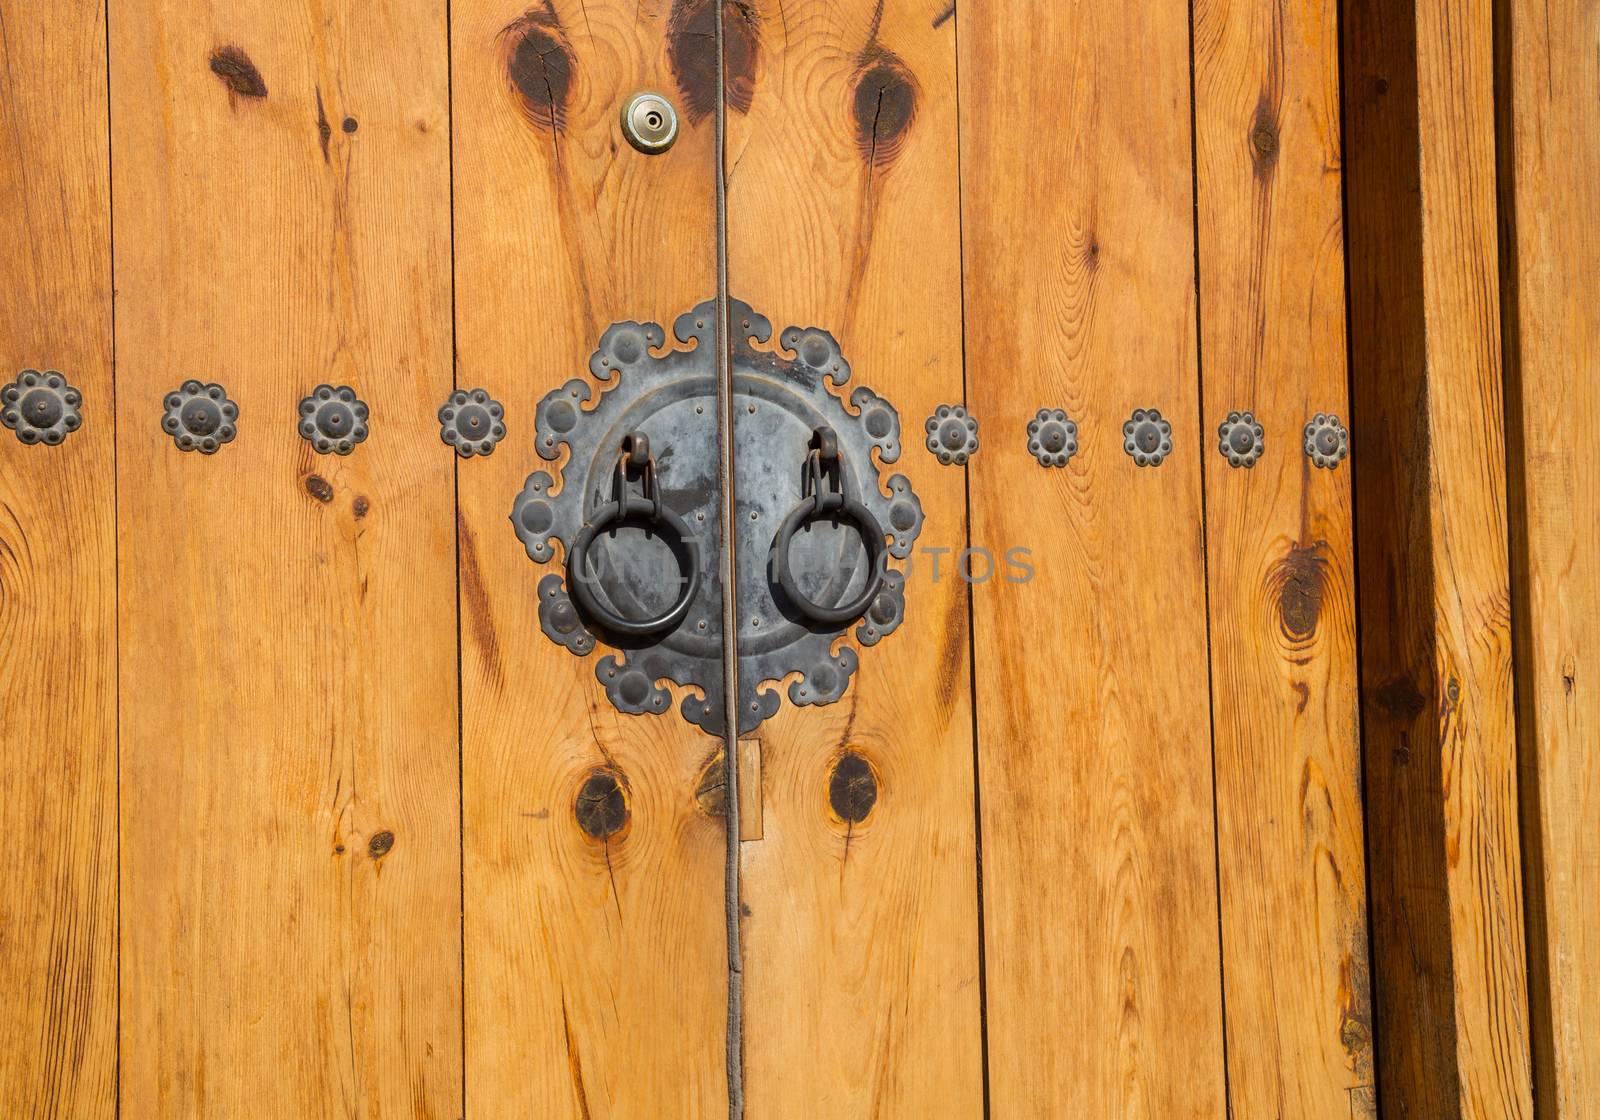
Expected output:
{"points": [[334, 786]]}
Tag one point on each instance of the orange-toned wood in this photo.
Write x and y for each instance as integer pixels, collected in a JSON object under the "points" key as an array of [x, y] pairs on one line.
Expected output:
{"points": [[1099, 888], [1550, 160], [58, 844], [289, 821], [861, 935], [1280, 563], [1428, 451], [595, 957]]}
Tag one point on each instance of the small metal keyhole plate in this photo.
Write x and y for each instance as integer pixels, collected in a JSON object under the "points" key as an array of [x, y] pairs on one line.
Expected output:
{"points": [[649, 122]]}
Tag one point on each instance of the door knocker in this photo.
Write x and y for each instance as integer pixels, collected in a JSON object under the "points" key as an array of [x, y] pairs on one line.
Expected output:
{"points": [[634, 511]]}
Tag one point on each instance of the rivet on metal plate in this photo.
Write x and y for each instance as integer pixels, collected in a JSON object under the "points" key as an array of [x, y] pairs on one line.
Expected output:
{"points": [[952, 434], [1327, 441], [1240, 439], [200, 417], [1146, 437], [472, 422], [649, 122], [41, 407], [1052, 438], [333, 419]]}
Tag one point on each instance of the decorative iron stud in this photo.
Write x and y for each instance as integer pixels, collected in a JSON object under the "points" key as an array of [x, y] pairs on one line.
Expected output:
{"points": [[472, 422], [41, 407], [333, 419], [1146, 437], [1240, 439], [200, 417], [952, 434], [1327, 441], [1052, 438]]}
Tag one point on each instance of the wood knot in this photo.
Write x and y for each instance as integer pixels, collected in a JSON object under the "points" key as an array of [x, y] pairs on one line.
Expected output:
{"points": [[711, 791], [237, 72], [885, 106], [539, 65], [1299, 582], [319, 488], [360, 506], [1400, 699], [692, 54], [852, 788], [379, 845], [1264, 138], [602, 805]]}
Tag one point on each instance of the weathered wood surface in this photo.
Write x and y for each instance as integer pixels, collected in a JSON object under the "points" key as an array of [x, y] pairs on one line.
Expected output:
{"points": [[1550, 204], [860, 901], [1099, 874], [1428, 447], [595, 966], [1280, 562], [290, 859], [58, 675]]}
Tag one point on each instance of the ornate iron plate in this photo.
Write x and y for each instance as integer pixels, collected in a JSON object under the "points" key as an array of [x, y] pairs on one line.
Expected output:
{"points": [[784, 393]]}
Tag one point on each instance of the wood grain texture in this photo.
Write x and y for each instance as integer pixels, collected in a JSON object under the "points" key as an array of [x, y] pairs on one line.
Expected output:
{"points": [[290, 829], [1429, 454], [58, 843], [1099, 885], [1280, 562], [1549, 83], [595, 968], [861, 936]]}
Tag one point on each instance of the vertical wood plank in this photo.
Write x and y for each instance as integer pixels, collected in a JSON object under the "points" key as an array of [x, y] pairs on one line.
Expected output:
{"points": [[58, 905], [1099, 885], [290, 830], [595, 965], [1550, 185], [1280, 565], [1432, 553], [861, 935]]}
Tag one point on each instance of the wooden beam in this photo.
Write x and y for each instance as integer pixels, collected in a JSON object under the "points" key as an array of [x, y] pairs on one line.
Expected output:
{"points": [[58, 663], [1280, 561], [291, 878], [1429, 459], [1549, 85], [861, 951], [1099, 859], [596, 973]]}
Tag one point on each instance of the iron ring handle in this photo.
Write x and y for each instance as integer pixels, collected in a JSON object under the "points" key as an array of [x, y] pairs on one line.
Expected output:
{"points": [[846, 509], [631, 506]]}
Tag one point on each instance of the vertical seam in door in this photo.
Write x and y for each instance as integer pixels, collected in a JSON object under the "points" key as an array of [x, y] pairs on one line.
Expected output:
{"points": [[728, 570], [455, 513], [972, 638], [116, 564], [1355, 564], [1205, 551]]}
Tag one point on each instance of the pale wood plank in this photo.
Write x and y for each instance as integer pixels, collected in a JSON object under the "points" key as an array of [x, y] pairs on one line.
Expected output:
{"points": [[1099, 884], [861, 955], [58, 844], [1550, 182], [290, 830], [1280, 562], [595, 968], [1432, 552]]}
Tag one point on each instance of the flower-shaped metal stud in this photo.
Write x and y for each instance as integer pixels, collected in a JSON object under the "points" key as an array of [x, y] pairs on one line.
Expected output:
{"points": [[1147, 437], [200, 417], [332, 419], [1327, 441], [1240, 439], [472, 422], [41, 407], [952, 434], [1052, 438]]}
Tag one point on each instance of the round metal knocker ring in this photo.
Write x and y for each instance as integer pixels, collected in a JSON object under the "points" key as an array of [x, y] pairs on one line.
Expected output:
{"points": [[634, 507], [845, 509]]}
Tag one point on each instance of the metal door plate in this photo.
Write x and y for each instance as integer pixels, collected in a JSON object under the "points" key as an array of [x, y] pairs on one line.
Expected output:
{"points": [[782, 395]]}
